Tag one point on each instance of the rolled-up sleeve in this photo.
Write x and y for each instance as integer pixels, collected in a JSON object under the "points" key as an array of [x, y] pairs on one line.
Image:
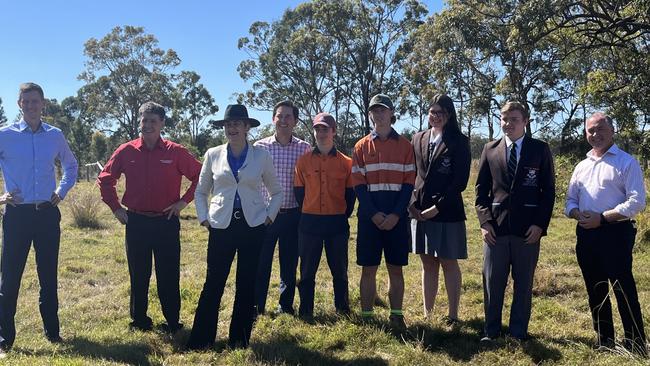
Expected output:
{"points": [[634, 191]]}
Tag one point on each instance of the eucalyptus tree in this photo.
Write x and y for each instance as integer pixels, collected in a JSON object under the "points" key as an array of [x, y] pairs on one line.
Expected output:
{"points": [[124, 69]]}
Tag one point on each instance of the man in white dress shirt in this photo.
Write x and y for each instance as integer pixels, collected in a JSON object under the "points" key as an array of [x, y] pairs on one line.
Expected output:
{"points": [[605, 192]]}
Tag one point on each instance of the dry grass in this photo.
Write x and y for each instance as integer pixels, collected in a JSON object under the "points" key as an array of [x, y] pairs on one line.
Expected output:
{"points": [[94, 308]]}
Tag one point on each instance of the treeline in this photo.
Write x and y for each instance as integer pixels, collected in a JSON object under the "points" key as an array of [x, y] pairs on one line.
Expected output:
{"points": [[565, 59]]}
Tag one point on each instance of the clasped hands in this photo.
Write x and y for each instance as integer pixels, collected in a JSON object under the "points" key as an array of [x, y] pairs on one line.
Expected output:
{"points": [[532, 236], [383, 221], [586, 219]]}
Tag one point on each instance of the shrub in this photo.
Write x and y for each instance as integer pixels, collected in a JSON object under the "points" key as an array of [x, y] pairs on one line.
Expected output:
{"points": [[85, 207]]}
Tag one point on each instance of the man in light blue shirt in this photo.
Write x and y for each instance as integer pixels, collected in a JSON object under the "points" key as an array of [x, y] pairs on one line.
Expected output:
{"points": [[28, 151]]}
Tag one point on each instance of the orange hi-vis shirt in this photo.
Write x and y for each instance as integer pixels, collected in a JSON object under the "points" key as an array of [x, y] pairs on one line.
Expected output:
{"points": [[383, 174], [323, 186]]}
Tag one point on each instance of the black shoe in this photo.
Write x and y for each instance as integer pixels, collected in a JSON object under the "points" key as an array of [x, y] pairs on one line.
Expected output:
{"points": [[240, 344], [54, 338], [396, 323], [451, 322], [488, 341], [280, 310], [141, 326], [171, 329]]}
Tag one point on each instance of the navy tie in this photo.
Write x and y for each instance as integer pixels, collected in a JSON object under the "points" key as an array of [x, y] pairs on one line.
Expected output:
{"points": [[512, 162], [432, 148]]}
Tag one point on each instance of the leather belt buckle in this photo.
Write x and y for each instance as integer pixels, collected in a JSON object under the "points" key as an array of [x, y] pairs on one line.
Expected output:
{"points": [[42, 205]]}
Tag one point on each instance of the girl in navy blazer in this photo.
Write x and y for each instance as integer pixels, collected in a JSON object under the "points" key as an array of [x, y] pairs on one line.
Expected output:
{"points": [[442, 159]]}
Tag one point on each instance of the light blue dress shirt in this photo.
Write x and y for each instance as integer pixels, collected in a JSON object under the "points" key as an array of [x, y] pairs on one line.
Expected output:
{"points": [[27, 161]]}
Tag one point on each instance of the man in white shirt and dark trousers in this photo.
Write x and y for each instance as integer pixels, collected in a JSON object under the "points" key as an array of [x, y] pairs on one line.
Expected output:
{"points": [[605, 192]]}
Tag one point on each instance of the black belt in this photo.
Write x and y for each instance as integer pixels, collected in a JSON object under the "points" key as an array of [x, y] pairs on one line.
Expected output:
{"points": [[288, 210], [37, 206]]}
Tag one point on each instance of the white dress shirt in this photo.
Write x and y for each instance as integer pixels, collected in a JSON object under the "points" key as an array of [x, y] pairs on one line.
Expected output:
{"points": [[613, 181], [509, 147]]}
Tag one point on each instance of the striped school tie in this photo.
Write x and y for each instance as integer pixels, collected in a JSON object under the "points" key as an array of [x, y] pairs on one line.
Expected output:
{"points": [[512, 162]]}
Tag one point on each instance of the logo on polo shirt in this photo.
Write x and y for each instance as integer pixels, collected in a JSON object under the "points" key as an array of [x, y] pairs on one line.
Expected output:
{"points": [[166, 161]]}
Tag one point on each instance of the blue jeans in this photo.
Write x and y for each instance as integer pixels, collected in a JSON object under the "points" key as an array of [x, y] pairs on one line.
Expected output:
{"points": [[285, 230], [336, 249]]}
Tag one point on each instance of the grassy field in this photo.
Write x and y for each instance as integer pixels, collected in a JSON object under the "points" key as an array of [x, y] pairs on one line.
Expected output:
{"points": [[94, 292]]}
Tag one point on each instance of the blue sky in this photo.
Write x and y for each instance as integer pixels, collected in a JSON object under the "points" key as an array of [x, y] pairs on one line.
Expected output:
{"points": [[42, 41]]}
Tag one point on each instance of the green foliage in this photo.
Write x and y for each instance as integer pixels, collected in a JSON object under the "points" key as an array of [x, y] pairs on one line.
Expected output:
{"points": [[124, 69], [3, 117], [192, 106], [330, 56], [99, 147]]}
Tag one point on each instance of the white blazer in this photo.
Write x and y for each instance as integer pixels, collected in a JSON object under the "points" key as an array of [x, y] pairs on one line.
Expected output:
{"points": [[217, 179]]}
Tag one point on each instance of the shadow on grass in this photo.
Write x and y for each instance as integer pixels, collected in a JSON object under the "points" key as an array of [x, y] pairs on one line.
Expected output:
{"points": [[129, 353], [463, 343], [288, 351]]}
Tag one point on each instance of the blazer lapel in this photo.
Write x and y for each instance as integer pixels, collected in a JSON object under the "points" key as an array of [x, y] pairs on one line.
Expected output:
{"points": [[523, 159], [424, 150], [502, 165], [225, 165]]}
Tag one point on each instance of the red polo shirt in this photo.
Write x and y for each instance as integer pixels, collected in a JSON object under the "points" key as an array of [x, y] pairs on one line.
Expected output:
{"points": [[153, 177]]}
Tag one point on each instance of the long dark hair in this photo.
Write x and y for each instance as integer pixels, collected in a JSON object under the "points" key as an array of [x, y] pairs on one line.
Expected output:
{"points": [[447, 105]]}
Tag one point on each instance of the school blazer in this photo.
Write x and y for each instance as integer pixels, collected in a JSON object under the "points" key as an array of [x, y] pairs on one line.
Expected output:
{"points": [[217, 180], [513, 208], [442, 182]]}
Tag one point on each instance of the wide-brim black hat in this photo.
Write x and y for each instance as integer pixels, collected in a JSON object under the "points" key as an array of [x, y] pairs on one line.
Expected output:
{"points": [[236, 112]]}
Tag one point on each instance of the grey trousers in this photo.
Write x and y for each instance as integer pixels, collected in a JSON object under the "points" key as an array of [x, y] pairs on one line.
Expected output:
{"points": [[508, 252]]}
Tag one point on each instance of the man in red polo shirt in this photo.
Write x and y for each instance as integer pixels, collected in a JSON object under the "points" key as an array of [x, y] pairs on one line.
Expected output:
{"points": [[154, 168], [323, 188]]}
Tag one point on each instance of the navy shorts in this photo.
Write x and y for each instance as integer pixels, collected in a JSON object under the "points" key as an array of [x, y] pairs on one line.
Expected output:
{"points": [[394, 243]]}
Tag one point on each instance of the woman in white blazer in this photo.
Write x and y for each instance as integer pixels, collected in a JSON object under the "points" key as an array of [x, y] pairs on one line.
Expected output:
{"points": [[230, 204]]}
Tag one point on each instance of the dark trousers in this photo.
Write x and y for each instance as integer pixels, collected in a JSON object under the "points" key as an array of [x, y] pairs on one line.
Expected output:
{"points": [[285, 231], [22, 225], [605, 256], [509, 252], [310, 247], [158, 236], [222, 245]]}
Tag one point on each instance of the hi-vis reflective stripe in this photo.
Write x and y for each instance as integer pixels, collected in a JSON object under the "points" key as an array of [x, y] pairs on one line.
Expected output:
{"points": [[384, 187], [390, 166], [357, 169]]}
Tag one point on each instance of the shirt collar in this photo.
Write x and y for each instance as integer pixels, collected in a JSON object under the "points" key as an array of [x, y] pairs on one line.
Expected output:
{"points": [[243, 153], [332, 152], [22, 126], [139, 143], [614, 150], [274, 140], [392, 135], [517, 141], [433, 138]]}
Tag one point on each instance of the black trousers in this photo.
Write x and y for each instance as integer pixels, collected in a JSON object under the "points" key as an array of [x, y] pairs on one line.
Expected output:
{"points": [[22, 225], [605, 257], [336, 249], [284, 230], [161, 237], [223, 244]]}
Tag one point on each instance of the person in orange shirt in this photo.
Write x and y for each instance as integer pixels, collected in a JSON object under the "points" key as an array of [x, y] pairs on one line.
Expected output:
{"points": [[323, 189]]}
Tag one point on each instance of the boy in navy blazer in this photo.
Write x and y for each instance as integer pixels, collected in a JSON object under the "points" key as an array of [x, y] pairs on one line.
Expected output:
{"points": [[515, 193]]}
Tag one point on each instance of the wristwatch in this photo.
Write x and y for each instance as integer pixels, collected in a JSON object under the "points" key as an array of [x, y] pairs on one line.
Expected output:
{"points": [[603, 220]]}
